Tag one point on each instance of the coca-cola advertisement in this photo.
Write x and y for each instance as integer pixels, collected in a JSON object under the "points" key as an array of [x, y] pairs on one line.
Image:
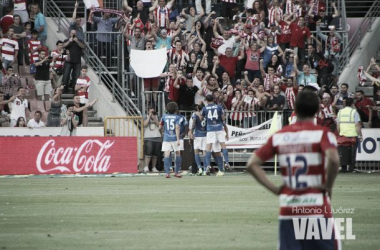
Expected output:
{"points": [[68, 155]]}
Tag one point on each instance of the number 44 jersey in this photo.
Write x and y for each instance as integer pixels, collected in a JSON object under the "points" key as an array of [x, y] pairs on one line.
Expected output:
{"points": [[301, 152], [213, 114]]}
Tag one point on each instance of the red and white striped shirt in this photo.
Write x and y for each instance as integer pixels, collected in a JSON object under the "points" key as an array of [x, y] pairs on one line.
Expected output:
{"points": [[84, 82], [20, 5], [59, 62], [8, 48], [272, 12], [33, 50], [250, 107], [289, 8], [301, 151], [235, 114], [180, 59], [268, 83], [160, 15]]}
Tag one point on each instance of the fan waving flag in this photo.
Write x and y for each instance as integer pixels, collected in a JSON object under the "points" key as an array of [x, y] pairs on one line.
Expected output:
{"points": [[148, 63]]}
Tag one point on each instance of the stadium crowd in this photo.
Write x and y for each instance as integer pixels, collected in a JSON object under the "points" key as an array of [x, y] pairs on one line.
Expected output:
{"points": [[49, 72], [255, 58]]}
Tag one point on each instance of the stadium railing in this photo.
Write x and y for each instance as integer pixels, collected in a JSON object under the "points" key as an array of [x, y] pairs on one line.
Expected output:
{"points": [[127, 126]]}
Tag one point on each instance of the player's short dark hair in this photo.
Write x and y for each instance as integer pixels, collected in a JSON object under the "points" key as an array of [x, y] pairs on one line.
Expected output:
{"points": [[307, 104], [199, 107], [209, 98], [360, 91], [172, 107], [349, 101]]}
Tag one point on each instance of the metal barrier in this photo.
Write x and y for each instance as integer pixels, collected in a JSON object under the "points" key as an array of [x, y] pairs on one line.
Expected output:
{"points": [[155, 99], [127, 126], [355, 41]]}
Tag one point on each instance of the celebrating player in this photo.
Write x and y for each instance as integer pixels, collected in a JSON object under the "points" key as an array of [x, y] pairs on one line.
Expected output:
{"points": [[171, 130], [198, 132], [214, 116], [309, 163]]}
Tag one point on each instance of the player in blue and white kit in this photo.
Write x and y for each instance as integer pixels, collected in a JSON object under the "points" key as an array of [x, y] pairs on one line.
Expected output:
{"points": [[198, 132], [183, 128], [171, 130], [217, 131]]}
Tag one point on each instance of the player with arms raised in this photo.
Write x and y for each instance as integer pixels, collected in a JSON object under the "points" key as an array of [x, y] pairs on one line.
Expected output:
{"points": [[217, 132], [171, 131], [309, 163]]}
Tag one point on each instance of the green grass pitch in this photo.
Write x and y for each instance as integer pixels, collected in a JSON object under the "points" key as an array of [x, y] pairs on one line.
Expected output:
{"points": [[231, 212]]}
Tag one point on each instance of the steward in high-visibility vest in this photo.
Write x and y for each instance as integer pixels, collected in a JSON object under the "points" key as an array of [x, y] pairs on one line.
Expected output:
{"points": [[349, 125]]}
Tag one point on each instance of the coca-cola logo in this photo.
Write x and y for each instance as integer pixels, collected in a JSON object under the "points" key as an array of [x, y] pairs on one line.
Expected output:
{"points": [[89, 157]]}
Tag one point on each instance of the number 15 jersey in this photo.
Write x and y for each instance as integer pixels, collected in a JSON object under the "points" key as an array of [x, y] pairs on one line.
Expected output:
{"points": [[169, 123], [213, 114]]}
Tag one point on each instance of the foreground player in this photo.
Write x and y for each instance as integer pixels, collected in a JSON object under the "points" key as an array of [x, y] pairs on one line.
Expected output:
{"points": [[171, 130], [198, 132], [214, 116], [309, 163]]}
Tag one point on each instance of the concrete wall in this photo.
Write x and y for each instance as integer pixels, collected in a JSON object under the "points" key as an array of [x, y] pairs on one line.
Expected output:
{"points": [[104, 107], [369, 47]]}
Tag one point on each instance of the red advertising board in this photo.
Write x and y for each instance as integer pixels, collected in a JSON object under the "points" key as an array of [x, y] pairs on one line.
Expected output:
{"points": [[67, 155]]}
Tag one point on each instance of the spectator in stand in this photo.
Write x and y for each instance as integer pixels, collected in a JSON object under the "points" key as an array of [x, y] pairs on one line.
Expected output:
{"points": [[300, 33], [363, 106], [373, 65], [105, 25], [58, 57], [277, 101], [343, 94], [252, 65], [152, 139], [275, 63], [312, 56], [288, 61], [6, 22], [250, 103], [284, 38], [10, 82], [75, 24], [334, 91], [19, 35], [42, 77], [198, 75], [326, 114], [215, 68], [74, 47], [187, 94], [192, 17], [40, 24], [140, 11], [20, 10], [54, 116], [259, 10], [19, 106], [36, 121], [229, 62], [178, 56], [21, 123], [4, 109], [34, 45], [290, 88], [237, 108], [322, 18], [376, 108], [273, 11], [82, 89], [161, 13], [69, 122], [270, 78], [4, 6], [79, 107], [151, 84], [304, 77], [9, 49]]}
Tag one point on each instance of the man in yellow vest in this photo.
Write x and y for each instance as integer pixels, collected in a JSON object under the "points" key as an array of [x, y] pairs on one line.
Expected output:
{"points": [[349, 126]]}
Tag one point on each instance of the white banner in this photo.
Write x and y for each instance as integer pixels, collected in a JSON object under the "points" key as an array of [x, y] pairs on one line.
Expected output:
{"points": [[81, 131], [91, 3], [148, 63], [253, 137], [369, 148]]}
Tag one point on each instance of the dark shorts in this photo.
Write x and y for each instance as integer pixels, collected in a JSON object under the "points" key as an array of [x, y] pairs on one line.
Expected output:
{"points": [[288, 239], [152, 148], [228, 9]]}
